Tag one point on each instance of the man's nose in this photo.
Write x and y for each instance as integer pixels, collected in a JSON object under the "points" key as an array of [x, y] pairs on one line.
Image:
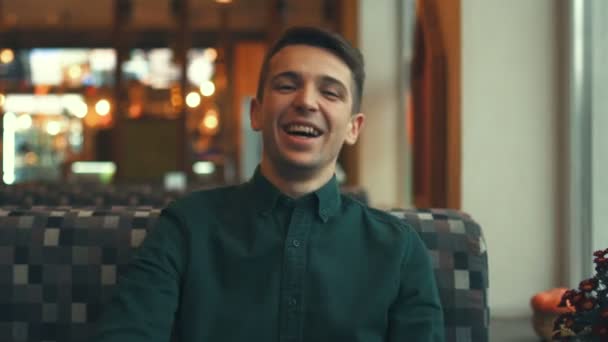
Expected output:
{"points": [[306, 99]]}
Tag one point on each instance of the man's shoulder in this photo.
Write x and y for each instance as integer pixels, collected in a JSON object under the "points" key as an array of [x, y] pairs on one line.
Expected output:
{"points": [[383, 219], [210, 198]]}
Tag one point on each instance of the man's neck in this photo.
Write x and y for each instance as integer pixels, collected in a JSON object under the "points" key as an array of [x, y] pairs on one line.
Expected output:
{"points": [[295, 183]]}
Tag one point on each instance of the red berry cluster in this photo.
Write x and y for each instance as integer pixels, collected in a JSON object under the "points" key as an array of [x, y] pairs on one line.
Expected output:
{"points": [[588, 320]]}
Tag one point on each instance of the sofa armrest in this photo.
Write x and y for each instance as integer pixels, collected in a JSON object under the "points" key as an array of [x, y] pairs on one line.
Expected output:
{"points": [[460, 259]]}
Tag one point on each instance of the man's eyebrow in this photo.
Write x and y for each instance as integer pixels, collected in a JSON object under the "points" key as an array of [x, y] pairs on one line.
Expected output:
{"points": [[324, 80], [328, 80], [286, 74]]}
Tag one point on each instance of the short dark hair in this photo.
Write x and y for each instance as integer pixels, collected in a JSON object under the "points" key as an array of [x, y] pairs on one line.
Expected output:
{"points": [[321, 38]]}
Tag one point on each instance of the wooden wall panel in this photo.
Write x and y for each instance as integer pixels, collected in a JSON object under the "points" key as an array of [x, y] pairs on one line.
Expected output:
{"points": [[247, 62]]}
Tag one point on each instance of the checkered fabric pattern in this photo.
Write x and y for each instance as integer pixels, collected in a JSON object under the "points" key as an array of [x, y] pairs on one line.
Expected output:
{"points": [[77, 194], [460, 260], [58, 265]]}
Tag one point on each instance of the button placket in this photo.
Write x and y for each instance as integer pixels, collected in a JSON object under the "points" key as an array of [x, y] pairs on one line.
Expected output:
{"points": [[294, 266]]}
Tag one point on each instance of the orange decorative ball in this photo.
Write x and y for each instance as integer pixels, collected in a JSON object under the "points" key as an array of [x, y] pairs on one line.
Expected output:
{"points": [[548, 301], [546, 309]]}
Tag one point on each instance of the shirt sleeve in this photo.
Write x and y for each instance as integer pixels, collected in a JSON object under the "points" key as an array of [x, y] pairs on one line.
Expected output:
{"points": [[146, 298], [416, 314]]}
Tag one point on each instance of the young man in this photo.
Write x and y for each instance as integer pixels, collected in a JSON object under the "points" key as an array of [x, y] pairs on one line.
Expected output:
{"points": [[284, 257]]}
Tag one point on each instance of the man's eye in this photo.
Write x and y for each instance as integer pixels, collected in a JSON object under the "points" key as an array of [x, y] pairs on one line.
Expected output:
{"points": [[331, 94], [284, 87]]}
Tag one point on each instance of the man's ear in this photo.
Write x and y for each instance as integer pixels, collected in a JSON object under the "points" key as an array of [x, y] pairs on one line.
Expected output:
{"points": [[255, 115], [354, 128]]}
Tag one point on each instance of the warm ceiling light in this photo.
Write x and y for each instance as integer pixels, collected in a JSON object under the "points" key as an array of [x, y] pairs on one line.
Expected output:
{"points": [[53, 127], [176, 100], [203, 168], [7, 56], [83, 167], [2, 99], [75, 105], [102, 107], [135, 110], [80, 110], [24, 122], [75, 71], [211, 122], [193, 100], [207, 88], [210, 54], [223, 1]]}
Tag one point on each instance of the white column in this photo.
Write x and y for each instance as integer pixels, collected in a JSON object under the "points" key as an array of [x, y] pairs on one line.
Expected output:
{"points": [[383, 150], [599, 126], [509, 106]]}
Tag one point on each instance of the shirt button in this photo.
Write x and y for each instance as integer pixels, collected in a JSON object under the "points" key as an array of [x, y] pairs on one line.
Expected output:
{"points": [[293, 301], [296, 243]]}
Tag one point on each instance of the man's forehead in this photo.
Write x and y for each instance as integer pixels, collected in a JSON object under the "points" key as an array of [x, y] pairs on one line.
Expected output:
{"points": [[309, 61]]}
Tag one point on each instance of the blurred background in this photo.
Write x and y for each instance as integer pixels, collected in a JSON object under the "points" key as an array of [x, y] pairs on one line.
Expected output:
{"points": [[493, 107]]}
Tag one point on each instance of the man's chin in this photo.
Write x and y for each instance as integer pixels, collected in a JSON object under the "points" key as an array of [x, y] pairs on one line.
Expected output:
{"points": [[299, 165], [303, 165]]}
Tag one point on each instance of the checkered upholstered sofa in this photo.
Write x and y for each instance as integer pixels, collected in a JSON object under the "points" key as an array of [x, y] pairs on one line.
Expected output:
{"points": [[59, 265]]}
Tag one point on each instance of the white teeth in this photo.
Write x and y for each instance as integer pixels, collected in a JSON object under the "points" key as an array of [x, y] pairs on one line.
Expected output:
{"points": [[303, 129]]}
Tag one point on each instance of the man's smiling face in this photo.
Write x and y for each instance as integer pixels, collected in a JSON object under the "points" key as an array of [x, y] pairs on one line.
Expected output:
{"points": [[305, 115]]}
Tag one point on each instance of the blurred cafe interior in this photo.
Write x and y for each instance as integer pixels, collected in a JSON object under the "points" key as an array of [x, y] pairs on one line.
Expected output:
{"points": [[142, 91], [158, 92]]}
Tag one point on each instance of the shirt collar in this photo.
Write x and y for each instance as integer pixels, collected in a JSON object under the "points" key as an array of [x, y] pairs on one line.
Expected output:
{"points": [[265, 196]]}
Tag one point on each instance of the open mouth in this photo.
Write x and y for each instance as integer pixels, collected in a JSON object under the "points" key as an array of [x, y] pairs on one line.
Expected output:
{"points": [[302, 131]]}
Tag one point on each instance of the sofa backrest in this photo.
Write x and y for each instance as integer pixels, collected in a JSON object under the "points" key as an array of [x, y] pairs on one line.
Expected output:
{"points": [[82, 194], [59, 265]]}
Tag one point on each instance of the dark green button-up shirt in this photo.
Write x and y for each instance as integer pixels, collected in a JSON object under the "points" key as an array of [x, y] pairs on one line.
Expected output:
{"points": [[246, 263]]}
